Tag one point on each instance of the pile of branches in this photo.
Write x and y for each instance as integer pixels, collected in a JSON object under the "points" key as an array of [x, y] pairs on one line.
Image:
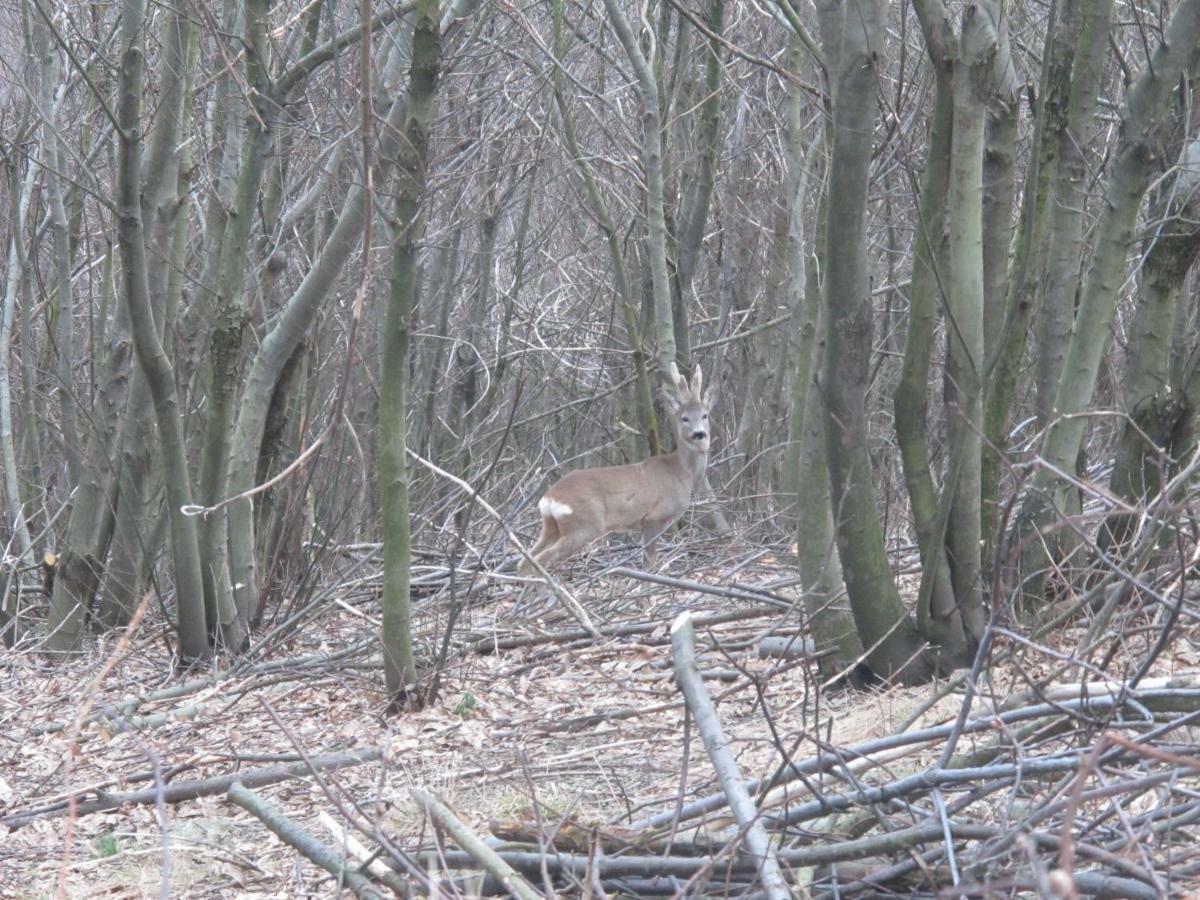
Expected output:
{"points": [[1092, 790], [1089, 788]]}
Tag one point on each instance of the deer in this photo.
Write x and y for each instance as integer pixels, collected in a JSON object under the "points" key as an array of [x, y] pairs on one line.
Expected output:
{"points": [[647, 496]]}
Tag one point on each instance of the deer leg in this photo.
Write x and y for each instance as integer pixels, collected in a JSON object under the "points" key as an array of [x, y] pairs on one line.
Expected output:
{"points": [[651, 529], [550, 534], [569, 542]]}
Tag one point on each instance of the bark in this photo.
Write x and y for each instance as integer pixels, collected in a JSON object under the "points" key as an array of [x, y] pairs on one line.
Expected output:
{"points": [[289, 832], [439, 290], [279, 509], [11, 628], [48, 97], [708, 723], [695, 214], [474, 847], [229, 314], [128, 533], [999, 191], [937, 615], [1154, 404], [895, 648], [1004, 360], [807, 474], [12, 286]]}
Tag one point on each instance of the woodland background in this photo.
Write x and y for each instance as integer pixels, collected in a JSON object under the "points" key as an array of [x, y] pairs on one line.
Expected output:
{"points": [[299, 323]]}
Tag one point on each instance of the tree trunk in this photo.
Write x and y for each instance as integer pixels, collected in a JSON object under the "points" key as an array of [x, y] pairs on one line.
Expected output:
{"points": [[937, 612], [1154, 405], [159, 372], [974, 77], [1005, 359], [1130, 171], [807, 474], [895, 648], [652, 162], [1067, 200], [400, 669]]}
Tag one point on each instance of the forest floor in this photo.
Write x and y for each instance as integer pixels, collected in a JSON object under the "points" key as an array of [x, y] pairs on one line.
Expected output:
{"points": [[591, 730]]}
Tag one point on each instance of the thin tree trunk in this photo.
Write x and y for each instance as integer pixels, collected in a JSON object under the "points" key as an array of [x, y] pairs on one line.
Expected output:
{"points": [[126, 531], [937, 613], [1067, 200], [1154, 405], [21, 188], [652, 162], [48, 83], [807, 474], [1005, 358], [159, 372], [979, 47], [400, 669], [11, 628]]}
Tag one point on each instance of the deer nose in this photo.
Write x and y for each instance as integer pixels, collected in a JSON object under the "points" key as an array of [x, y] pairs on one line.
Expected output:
{"points": [[699, 434]]}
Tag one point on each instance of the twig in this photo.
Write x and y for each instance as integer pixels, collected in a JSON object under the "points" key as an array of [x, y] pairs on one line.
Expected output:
{"points": [[565, 597], [492, 644]]}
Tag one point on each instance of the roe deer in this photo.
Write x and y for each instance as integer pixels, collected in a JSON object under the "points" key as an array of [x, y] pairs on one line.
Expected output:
{"points": [[648, 496]]}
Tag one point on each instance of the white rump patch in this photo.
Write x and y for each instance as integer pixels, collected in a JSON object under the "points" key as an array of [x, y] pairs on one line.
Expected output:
{"points": [[548, 506]]}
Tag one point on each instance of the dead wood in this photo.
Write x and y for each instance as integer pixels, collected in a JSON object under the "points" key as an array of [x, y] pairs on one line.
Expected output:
{"points": [[291, 833], [691, 685], [475, 849], [179, 791], [492, 644]]}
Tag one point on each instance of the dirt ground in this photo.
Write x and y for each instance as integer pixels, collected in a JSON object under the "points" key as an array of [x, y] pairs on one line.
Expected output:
{"points": [[592, 730]]}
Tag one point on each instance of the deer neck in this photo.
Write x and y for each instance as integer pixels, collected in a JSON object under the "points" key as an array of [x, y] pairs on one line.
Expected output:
{"points": [[691, 462]]}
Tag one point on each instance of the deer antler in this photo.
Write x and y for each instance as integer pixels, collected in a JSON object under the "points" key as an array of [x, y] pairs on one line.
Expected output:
{"points": [[681, 385]]}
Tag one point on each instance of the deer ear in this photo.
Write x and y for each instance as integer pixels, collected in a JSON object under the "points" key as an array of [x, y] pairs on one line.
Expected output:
{"points": [[697, 381]]}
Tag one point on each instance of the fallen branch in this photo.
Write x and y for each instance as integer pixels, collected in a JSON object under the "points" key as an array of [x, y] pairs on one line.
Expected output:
{"points": [[179, 791], [735, 592], [491, 644], [293, 835], [1159, 700], [476, 850], [687, 675]]}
